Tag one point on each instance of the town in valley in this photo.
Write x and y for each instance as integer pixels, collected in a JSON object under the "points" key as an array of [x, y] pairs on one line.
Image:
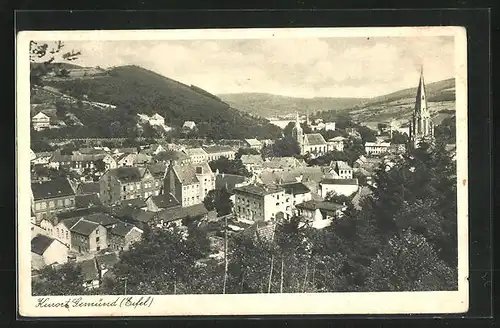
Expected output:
{"points": [[144, 185]]}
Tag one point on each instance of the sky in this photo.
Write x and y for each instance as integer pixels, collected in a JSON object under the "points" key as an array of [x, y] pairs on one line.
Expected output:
{"points": [[299, 67]]}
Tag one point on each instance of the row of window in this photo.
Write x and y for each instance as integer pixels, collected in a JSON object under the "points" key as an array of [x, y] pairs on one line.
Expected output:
{"points": [[42, 205], [137, 186], [146, 195]]}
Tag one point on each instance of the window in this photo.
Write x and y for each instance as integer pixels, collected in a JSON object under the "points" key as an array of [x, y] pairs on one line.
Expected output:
{"points": [[138, 185], [98, 248], [66, 202], [67, 235], [124, 188], [37, 206], [96, 239], [131, 187], [44, 205], [51, 204]]}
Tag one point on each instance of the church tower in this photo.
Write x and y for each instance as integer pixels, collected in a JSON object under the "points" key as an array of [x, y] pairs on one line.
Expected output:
{"points": [[421, 126], [298, 134]]}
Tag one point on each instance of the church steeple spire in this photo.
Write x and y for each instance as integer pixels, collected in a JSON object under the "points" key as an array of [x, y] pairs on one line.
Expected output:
{"points": [[421, 125]]}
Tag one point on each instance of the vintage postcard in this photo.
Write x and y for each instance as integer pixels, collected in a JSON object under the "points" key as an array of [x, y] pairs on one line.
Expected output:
{"points": [[242, 172]]}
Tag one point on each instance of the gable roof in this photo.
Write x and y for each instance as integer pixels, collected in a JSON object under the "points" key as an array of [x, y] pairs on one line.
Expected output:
{"points": [[122, 228], [51, 189], [165, 201], [340, 165], [68, 223], [313, 139], [170, 155], [174, 214], [253, 142], [228, 181], [40, 243], [84, 227], [187, 172], [281, 163], [295, 188], [195, 151], [313, 205], [128, 174], [103, 219], [88, 188], [41, 115], [157, 170]]}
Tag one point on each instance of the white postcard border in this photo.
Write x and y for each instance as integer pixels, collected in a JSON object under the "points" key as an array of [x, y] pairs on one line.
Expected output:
{"points": [[241, 304]]}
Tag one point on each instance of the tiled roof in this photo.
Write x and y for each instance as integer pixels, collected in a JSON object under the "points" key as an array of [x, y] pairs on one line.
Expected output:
{"points": [[217, 149], [165, 201], [40, 243], [174, 214], [187, 173], [294, 175], [103, 219], [195, 152], [136, 202], [170, 155], [251, 159], [253, 142], [313, 205], [281, 163], [85, 201], [84, 227], [89, 188], [130, 150], [228, 181], [51, 189], [157, 170], [313, 139], [340, 165], [70, 222], [127, 174], [143, 216], [79, 212], [340, 181], [260, 190], [295, 188], [122, 228]]}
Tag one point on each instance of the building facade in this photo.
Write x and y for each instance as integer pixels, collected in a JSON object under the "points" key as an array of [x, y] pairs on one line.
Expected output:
{"points": [[40, 122], [51, 197], [189, 183], [259, 202], [127, 183]]}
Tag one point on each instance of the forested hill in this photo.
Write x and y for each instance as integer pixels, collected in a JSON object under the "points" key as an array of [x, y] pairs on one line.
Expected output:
{"points": [[136, 90]]}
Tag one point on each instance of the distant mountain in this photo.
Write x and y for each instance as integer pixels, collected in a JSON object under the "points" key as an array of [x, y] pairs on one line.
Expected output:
{"points": [[270, 105], [399, 105], [134, 90]]}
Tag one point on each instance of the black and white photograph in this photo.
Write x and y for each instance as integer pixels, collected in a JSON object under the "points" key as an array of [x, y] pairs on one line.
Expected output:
{"points": [[242, 171]]}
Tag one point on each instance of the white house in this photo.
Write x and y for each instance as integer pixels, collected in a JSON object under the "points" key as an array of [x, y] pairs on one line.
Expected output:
{"points": [[47, 251], [40, 121], [345, 187], [377, 148], [330, 126], [189, 125], [336, 143], [319, 214]]}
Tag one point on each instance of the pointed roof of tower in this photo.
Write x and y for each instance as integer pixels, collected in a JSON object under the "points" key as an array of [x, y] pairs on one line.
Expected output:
{"points": [[421, 99]]}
